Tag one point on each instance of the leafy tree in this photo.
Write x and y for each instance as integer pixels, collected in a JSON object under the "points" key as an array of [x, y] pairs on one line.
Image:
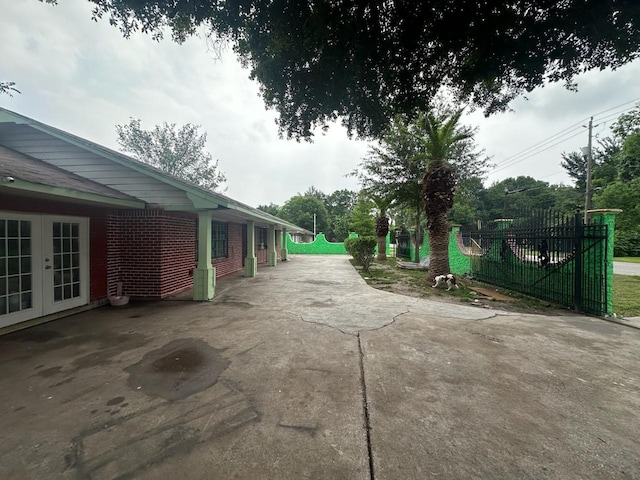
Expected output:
{"points": [[362, 250], [300, 210], [575, 163], [627, 123], [362, 221], [605, 155], [365, 61], [314, 192], [514, 197], [567, 200], [394, 169], [467, 205], [339, 205], [271, 209], [8, 88], [179, 152], [629, 157], [626, 196]]}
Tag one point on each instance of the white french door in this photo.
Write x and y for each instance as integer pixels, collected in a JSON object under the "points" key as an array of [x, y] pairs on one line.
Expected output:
{"points": [[44, 265]]}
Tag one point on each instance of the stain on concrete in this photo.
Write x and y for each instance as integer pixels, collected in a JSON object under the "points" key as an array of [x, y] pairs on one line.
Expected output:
{"points": [[325, 304], [486, 337], [17, 409], [178, 369], [236, 304], [311, 431], [63, 382], [50, 372], [322, 282], [115, 401], [157, 434], [108, 347], [34, 335]]}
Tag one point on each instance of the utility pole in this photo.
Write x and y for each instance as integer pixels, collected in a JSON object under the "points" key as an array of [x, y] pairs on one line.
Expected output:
{"points": [[314, 226], [589, 192]]}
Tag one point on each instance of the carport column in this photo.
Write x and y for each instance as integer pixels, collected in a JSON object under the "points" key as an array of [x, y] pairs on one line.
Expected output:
{"points": [[283, 245], [607, 216], [272, 255], [204, 276], [251, 262]]}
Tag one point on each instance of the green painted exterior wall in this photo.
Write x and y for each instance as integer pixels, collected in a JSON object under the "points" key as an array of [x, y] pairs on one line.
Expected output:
{"points": [[459, 262], [607, 217], [320, 246]]}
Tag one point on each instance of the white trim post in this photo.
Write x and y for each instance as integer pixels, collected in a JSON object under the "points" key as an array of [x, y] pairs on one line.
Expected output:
{"points": [[204, 275]]}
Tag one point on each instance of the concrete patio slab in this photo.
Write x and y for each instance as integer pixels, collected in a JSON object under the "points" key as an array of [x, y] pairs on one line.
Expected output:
{"points": [[305, 372]]}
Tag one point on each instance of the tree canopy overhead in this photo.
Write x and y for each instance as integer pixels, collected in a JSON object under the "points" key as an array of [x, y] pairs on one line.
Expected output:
{"points": [[364, 61]]}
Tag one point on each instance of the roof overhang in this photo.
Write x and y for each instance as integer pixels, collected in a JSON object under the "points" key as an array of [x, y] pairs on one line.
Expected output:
{"points": [[20, 187], [201, 199]]}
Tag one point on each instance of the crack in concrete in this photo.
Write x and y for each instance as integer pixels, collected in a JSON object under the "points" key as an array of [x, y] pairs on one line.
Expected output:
{"points": [[365, 407]]}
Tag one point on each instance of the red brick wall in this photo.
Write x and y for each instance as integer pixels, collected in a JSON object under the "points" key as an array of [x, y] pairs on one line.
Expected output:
{"points": [[97, 233], [233, 262], [151, 252]]}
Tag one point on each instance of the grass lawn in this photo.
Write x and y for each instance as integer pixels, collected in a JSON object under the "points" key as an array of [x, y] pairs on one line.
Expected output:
{"points": [[627, 259], [626, 301], [386, 276]]}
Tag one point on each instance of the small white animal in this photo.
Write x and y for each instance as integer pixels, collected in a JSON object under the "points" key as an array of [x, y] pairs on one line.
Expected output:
{"points": [[449, 279]]}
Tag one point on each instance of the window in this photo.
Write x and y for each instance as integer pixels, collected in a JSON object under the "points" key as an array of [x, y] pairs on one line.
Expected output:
{"points": [[262, 238], [219, 240]]}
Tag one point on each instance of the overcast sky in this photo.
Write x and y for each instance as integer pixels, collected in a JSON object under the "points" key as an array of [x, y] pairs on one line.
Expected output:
{"points": [[84, 78]]}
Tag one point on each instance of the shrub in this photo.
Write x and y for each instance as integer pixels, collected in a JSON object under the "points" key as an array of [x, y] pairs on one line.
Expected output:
{"points": [[627, 242], [362, 249]]}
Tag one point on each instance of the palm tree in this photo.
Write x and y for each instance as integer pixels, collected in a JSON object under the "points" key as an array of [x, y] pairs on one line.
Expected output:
{"points": [[382, 223], [439, 134]]}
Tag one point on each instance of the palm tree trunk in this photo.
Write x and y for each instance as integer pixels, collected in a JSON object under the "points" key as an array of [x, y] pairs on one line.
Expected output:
{"points": [[417, 237], [382, 248], [439, 246]]}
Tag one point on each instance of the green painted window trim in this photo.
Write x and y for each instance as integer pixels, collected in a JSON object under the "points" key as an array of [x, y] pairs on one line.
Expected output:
{"points": [[219, 240]]}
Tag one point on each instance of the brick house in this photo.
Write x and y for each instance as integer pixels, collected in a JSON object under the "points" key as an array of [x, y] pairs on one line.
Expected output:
{"points": [[78, 219]]}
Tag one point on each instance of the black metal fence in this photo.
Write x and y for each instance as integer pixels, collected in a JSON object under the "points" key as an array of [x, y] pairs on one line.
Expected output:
{"points": [[547, 255], [403, 245]]}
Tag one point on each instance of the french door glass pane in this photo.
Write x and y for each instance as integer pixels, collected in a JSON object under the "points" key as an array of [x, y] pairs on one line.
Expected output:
{"points": [[15, 266], [66, 241]]}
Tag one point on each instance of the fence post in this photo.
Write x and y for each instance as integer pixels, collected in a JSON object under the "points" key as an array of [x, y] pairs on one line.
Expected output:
{"points": [[607, 216], [577, 274]]}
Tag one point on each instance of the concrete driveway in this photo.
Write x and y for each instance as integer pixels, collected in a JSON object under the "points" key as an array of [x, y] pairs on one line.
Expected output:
{"points": [[307, 373]]}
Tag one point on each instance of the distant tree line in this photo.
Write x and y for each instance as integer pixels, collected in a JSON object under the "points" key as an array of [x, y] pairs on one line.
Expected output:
{"points": [[392, 177]]}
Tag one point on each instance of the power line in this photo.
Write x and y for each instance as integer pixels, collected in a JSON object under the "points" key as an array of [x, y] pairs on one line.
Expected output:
{"points": [[562, 136], [533, 154]]}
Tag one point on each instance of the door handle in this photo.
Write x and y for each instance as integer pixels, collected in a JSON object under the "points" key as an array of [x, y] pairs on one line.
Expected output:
{"points": [[48, 267]]}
